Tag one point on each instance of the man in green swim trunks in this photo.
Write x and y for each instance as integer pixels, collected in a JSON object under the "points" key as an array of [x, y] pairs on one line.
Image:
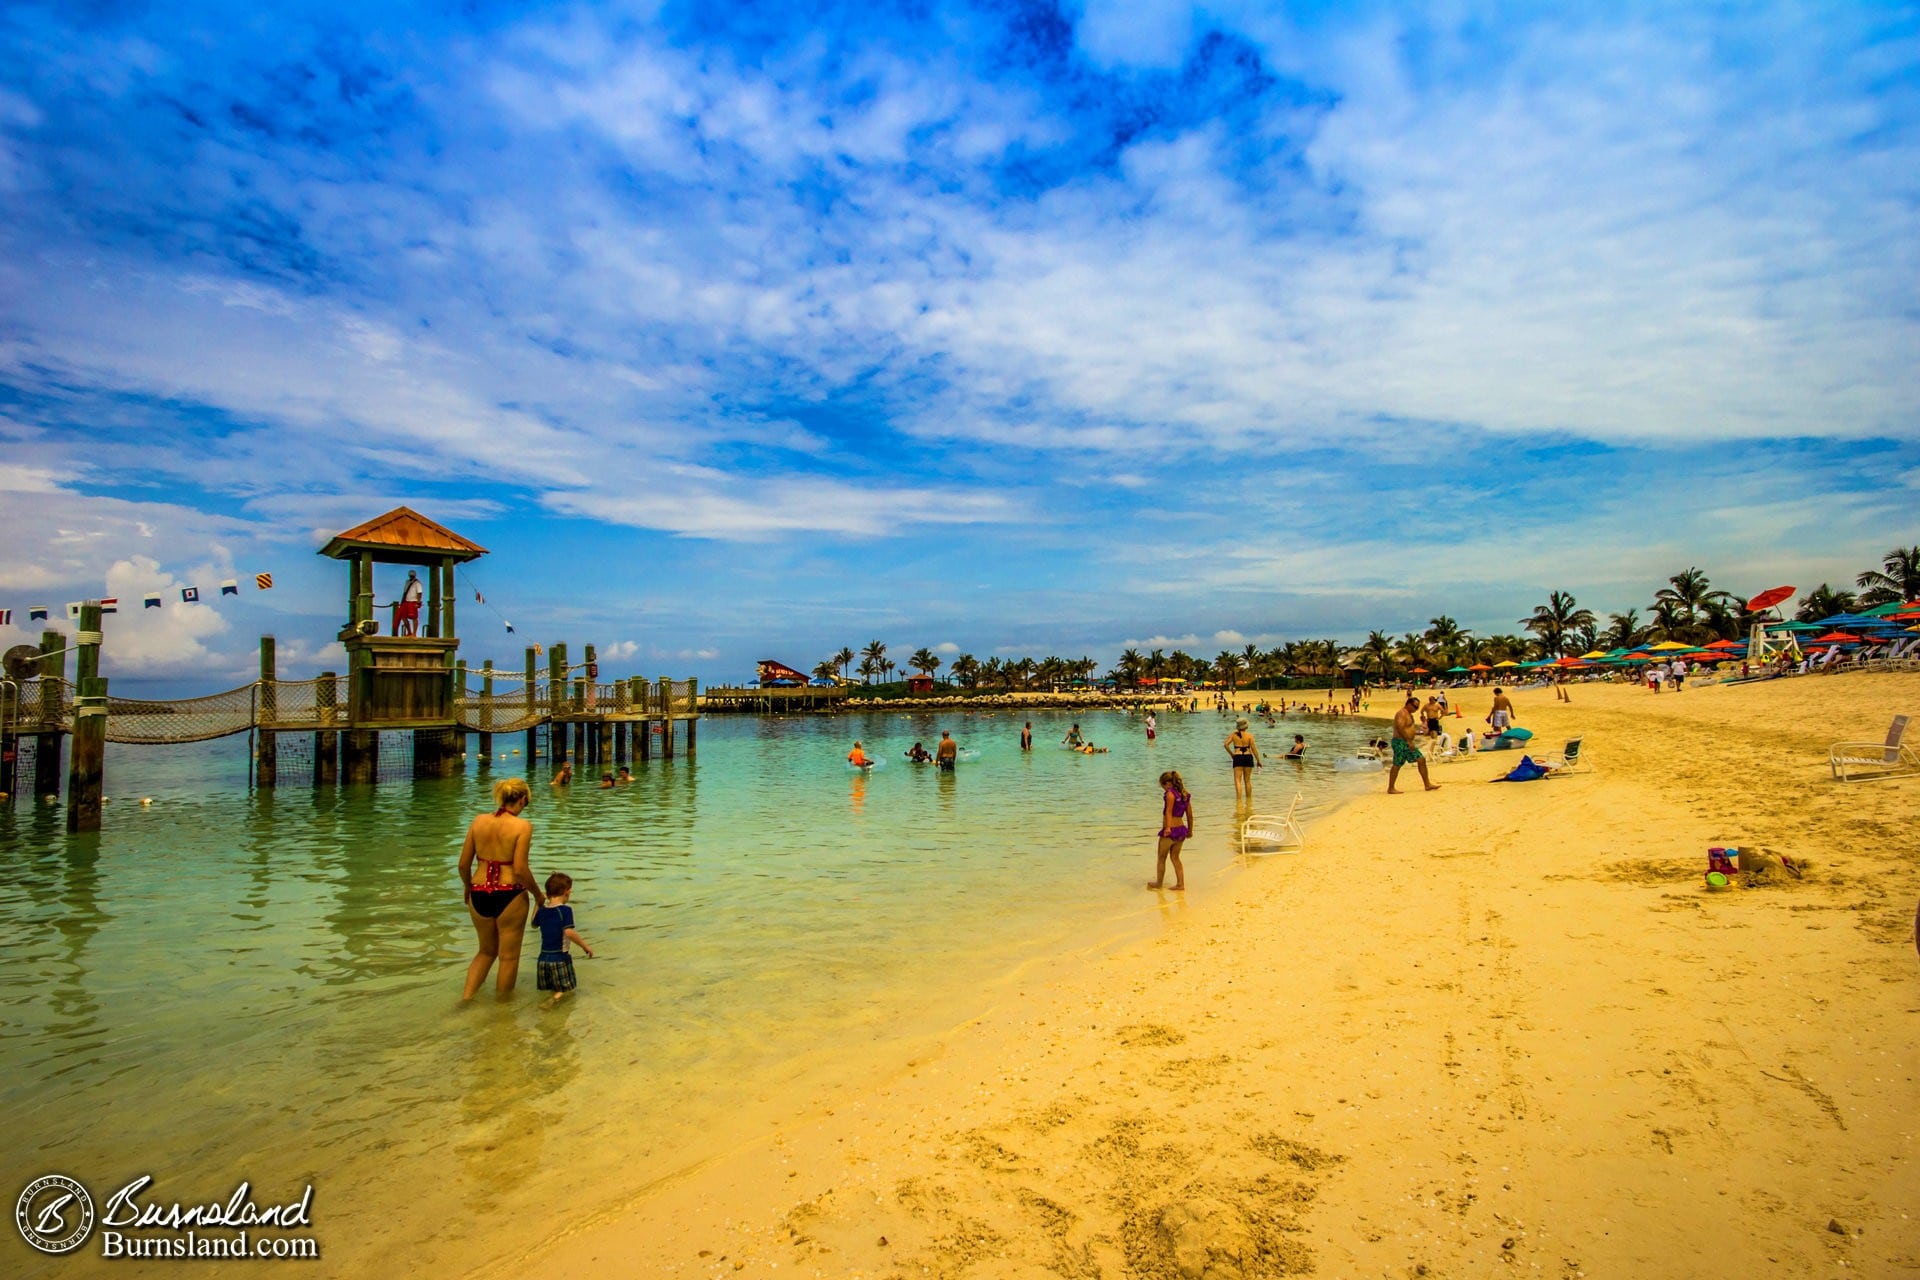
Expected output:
{"points": [[1404, 752]]}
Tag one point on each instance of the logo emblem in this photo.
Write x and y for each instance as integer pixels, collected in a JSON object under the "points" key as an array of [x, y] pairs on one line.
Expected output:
{"points": [[54, 1214]]}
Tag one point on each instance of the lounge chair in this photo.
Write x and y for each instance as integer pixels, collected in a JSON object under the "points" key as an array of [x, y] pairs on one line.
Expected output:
{"points": [[1872, 761], [1272, 832], [1571, 760]]}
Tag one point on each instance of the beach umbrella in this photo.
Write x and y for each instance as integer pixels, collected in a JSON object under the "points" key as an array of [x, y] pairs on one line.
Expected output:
{"points": [[1638, 657], [1794, 626], [1508, 663], [1836, 637], [1453, 670], [1667, 646], [1479, 666], [1728, 644], [1768, 598], [1593, 655], [1421, 671]]}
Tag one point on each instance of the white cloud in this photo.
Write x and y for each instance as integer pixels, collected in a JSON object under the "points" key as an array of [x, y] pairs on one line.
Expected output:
{"points": [[165, 641], [946, 646]]}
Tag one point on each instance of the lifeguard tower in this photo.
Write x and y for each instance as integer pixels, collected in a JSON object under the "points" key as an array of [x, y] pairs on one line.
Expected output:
{"points": [[400, 681]]}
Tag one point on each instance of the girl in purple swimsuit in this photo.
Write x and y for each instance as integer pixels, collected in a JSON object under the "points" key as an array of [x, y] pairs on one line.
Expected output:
{"points": [[1176, 824]]}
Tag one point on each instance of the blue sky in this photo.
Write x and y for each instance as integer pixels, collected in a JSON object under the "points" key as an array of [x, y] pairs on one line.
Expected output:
{"points": [[751, 331]]}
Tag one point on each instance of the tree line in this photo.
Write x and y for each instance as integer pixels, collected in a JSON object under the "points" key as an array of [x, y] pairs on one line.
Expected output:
{"points": [[1688, 609]]}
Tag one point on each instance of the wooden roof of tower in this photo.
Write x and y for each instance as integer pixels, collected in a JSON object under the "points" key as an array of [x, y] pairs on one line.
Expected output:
{"points": [[403, 536]]}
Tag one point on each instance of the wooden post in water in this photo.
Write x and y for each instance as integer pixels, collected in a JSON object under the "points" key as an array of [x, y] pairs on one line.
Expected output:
{"points": [[9, 740], [47, 743], [326, 742], [266, 771], [533, 696], [89, 726], [666, 718], [486, 715], [693, 705], [360, 755], [579, 706], [556, 703], [642, 729], [462, 711]]}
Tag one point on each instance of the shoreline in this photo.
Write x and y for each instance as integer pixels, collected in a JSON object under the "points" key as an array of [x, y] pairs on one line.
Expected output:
{"points": [[1405, 1035]]}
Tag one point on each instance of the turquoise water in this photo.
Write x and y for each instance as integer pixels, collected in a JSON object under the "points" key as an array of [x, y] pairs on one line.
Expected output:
{"points": [[264, 984]]}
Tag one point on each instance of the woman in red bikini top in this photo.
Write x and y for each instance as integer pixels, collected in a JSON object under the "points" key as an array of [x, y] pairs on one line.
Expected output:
{"points": [[496, 900]]}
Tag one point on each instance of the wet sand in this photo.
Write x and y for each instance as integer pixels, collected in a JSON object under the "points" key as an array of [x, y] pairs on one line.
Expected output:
{"points": [[1482, 1027]]}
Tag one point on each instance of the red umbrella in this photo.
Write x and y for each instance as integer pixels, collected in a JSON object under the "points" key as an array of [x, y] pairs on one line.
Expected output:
{"points": [[1836, 637], [1479, 666], [1421, 671], [1768, 598], [1728, 644]]}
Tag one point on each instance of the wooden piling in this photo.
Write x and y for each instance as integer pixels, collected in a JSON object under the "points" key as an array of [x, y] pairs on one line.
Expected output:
{"points": [[462, 711], [556, 702], [693, 705], [666, 718], [619, 743], [486, 712], [360, 755], [533, 705], [48, 743], [84, 773], [9, 740], [326, 742], [266, 772]]}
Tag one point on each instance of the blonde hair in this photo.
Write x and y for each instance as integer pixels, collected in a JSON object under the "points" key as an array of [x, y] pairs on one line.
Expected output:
{"points": [[1172, 776], [508, 790]]}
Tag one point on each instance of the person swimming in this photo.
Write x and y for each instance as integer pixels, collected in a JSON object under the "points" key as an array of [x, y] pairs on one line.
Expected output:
{"points": [[919, 754], [858, 757]]}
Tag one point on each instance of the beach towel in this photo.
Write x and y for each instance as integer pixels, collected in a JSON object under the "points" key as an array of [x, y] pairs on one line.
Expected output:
{"points": [[1526, 771]]}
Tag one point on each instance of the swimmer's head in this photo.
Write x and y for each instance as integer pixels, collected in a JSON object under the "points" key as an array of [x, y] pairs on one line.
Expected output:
{"points": [[509, 793], [558, 883]]}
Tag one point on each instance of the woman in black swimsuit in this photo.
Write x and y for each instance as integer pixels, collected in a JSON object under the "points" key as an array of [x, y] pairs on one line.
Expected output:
{"points": [[499, 842], [1245, 756]]}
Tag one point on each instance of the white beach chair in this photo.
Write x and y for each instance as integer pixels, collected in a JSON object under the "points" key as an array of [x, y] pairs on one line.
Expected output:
{"points": [[1873, 761], [1266, 833], [1575, 759]]}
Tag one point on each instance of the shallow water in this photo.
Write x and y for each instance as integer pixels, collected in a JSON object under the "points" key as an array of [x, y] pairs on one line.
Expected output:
{"points": [[264, 984]]}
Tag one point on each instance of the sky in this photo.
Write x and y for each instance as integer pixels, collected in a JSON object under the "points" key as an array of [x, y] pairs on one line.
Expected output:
{"points": [[744, 331]]}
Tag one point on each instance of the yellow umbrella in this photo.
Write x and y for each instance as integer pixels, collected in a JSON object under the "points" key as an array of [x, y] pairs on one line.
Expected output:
{"points": [[1667, 646], [1508, 663], [1588, 657]]}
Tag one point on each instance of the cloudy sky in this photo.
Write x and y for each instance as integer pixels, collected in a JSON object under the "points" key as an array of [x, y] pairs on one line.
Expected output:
{"points": [[744, 331]]}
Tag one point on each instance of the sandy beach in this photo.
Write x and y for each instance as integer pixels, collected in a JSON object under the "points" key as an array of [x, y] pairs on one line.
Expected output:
{"points": [[1484, 1027]]}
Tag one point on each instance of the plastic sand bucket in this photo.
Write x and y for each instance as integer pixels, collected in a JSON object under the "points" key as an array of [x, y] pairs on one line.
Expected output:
{"points": [[1717, 880]]}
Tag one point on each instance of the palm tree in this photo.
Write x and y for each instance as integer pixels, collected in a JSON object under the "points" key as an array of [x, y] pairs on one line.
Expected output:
{"points": [[844, 659], [1584, 638], [1444, 636], [1559, 615], [1130, 666], [1156, 663], [1825, 601], [924, 660], [1897, 578], [1228, 666], [1379, 651], [1624, 630], [825, 670], [873, 658], [1024, 670], [1688, 592], [965, 669]]}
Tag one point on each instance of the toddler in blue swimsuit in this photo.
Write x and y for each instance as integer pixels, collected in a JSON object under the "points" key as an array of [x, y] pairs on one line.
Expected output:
{"points": [[555, 922]]}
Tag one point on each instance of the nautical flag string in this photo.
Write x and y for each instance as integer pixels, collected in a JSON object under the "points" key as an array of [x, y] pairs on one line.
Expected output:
{"points": [[189, 595], [73, 608], [264, 581], [509, 626], [6, 617], [110, 605], [229, 587], [37, 613], [152, 600]]}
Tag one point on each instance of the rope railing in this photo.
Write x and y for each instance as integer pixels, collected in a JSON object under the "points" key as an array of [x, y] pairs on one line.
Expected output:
{"points": [[46, 706]]}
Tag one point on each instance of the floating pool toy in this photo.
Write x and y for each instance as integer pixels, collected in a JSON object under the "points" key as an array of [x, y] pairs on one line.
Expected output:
{"points": [[146, 801], [1717, 880]]}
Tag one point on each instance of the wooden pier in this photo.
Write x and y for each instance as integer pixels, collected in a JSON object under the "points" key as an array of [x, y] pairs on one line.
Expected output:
{"points": [[775, 701], [412, 682]]}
